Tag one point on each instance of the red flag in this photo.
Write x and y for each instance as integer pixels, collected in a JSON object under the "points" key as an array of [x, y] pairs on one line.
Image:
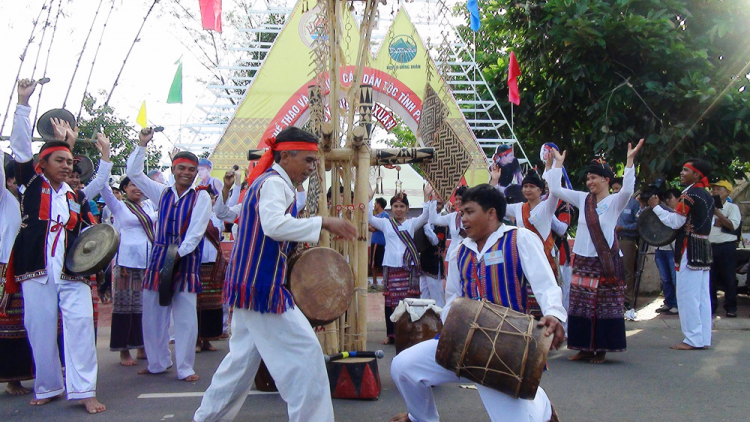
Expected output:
{"points": [[513, 73], [211, 14]]}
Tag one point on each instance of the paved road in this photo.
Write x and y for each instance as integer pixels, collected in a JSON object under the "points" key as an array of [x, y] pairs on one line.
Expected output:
{"points": [[649, 382]]}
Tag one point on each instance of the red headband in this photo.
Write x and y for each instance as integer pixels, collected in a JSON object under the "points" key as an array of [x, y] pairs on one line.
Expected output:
{"points": [[704, 180], [266, 161], [46, 153], [183, 160], [504, 153]]}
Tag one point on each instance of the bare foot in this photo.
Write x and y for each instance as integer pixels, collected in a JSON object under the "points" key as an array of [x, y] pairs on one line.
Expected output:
{"points": [[41, 402], [141, 354], [147, 372], [126, 359], [684, 346], [401, 417], [207, 346], [598, 357], [16, 389], [582, 356], [191, 378], [93, 405]]}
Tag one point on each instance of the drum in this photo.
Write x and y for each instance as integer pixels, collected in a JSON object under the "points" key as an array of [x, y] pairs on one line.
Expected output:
{"points": [[494, 346], [408, 332], [166, 276], [653, 231], [322, 284], [354, 378]]}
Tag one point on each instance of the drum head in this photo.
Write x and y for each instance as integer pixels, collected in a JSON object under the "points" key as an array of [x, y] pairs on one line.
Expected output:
{"points": [[93, 250], [86, 165], [166, 276], [653, 231], [322, 284]]}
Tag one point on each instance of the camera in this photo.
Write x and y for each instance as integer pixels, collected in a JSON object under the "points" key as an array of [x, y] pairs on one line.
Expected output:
{"points": [[656, 188]]}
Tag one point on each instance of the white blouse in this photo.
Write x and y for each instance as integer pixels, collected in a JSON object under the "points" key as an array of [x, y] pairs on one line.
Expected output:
{"points": [[394, 247], [135, 248], [451, 221], [609, 209]]}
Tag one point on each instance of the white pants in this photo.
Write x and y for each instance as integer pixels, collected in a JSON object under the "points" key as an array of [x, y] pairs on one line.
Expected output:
{"points": [[694, 300], [566, 275], [415, 371], [40, 306], [156, 332], [291, 351], [432, 288]]}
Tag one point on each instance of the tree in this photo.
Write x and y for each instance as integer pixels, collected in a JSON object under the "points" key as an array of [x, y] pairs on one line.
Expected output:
{"points": [[598, 74], [122, 136]]}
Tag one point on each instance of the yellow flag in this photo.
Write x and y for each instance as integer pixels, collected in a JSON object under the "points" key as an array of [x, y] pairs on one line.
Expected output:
{"points": [[141, 119]]}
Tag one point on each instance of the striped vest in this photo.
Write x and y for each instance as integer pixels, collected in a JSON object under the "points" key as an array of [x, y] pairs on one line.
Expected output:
{"points": [[503, 283], [174, 218], [257, 268]]}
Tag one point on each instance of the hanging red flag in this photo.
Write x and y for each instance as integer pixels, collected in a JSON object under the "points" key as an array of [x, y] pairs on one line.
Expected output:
{"points": [[513, 73], [211, 14]]}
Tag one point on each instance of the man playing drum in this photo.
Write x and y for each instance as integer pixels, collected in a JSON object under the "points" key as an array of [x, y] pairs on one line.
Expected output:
{"points": [[491, 249], [692, 257], [184, 212], [266, 323]]}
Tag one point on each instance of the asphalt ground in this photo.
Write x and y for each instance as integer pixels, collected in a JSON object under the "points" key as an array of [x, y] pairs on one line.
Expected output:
{"points": [[648, 382]]}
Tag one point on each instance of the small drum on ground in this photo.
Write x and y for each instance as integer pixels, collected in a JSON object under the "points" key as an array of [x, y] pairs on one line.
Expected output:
{"points": [[416, 320], [494, 346], [321, 283], [354, 378], [263, 379]]}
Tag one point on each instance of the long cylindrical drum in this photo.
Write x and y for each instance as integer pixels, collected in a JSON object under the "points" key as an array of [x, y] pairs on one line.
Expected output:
{"points": [[494, 346], [408, 332], [321, 283]]}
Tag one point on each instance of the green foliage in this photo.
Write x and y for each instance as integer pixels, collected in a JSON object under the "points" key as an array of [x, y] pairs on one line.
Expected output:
{"points": [[122, 136], [598, 74]]}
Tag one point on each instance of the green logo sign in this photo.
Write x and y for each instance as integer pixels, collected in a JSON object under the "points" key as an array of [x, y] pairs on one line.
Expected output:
{"points": [[402, 48]]}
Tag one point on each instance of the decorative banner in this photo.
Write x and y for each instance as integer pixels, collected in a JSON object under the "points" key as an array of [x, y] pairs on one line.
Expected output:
{"points": [[433, 116], [279, 97]]}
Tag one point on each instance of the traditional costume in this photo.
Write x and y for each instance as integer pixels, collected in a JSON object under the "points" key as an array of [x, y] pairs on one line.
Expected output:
{"points": [[182, 220], [693, 216], [266, 323], [213, 266], [523, 262], [16, 362], [51, 222], [455, 227], [135, 222], [400, 261], [431, 264], [542, 222], [595, 318]]}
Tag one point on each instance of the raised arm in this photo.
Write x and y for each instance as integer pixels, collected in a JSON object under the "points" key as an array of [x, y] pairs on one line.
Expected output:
{"points": [[105, 168], [226, 212], [116, 207], [559, 227], [150, 188], [439, 220], [417, 222]]}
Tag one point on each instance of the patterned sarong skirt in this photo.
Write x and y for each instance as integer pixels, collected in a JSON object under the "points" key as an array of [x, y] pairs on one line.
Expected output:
{"points": [[210, 311], [127, 310], [596, 316]]}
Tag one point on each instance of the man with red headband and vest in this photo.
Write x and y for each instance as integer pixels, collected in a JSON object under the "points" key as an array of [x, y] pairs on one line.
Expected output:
{"points": [[693, 217], [266, 323], [51, 221], [184, 213]]}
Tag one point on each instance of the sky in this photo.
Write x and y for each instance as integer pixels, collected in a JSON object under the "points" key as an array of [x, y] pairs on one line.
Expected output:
{"points": [[146, 76]]}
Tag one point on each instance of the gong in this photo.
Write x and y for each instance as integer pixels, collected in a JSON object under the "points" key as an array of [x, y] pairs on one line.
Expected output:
{"points": [[86, 166], [93, 250], [44, 125], [166, 276], [653, 231]]}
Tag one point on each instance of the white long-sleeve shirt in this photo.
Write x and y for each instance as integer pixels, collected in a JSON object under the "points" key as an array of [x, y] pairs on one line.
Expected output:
{"points": [[609, 209], [542, 216], [10, 222], [153, 190], [393, 256], [229, 211], [533, 262], [210, 253], [276, 195], [449, 220], [135, 248]]}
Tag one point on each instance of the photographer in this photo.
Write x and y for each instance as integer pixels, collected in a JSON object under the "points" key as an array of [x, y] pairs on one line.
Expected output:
{"points": [[723, 245], [627, 236], [664, 259]]}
